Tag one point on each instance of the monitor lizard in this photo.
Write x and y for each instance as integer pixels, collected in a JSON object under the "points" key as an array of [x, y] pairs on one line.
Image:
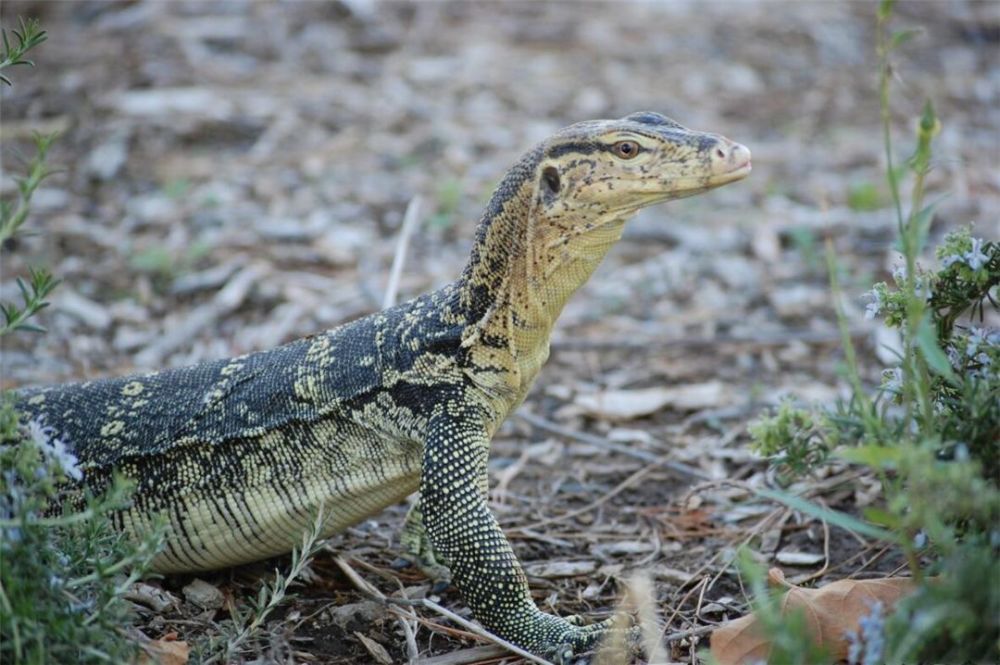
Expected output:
{"points": [[238, 454]]}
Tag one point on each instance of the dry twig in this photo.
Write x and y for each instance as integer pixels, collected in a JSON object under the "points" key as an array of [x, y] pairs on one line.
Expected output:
{"points": [[410, 220]]}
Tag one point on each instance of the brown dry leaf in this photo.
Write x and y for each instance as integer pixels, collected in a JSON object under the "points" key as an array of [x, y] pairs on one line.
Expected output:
{"points": [[831, 612], [164, 652], [376, 650]]}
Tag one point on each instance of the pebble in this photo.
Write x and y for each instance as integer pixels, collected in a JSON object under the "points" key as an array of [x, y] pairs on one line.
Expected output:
{"points": [[107, 159], [204, 595]]}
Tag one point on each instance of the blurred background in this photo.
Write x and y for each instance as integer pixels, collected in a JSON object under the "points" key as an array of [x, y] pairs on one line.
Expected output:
{"points": [[234, 174]]}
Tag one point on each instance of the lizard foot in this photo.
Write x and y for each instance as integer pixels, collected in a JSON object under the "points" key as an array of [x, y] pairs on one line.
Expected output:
{"points": [[575, 640], [438, 574], [418, 552]]}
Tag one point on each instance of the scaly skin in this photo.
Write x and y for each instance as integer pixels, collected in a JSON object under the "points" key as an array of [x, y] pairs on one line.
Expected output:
{"points": [[239, 453]]}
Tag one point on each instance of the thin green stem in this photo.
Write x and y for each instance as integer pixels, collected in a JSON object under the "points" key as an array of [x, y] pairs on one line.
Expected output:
{"points": [[37, 172], [885, 74], [301, 557], [49, 522], [869, 420]]}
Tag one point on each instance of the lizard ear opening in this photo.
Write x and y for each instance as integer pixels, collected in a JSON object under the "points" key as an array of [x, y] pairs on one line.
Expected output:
{"points": [[550, 178]]}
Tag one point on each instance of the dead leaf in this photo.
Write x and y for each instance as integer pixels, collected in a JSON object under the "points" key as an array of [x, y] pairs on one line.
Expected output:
{"points": [[628, 404], [831, 613], [377, 651], [164, 652]]}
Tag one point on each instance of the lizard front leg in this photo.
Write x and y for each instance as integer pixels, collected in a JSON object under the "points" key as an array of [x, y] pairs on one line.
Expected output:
{"points": [[418, 551], [461, 528]]}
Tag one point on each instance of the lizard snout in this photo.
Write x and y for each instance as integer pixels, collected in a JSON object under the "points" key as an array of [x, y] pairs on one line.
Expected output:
{"points": [[728, 156]]}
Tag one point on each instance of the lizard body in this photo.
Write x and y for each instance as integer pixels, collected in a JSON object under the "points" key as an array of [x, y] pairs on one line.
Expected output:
{"points": [[238, 454]]}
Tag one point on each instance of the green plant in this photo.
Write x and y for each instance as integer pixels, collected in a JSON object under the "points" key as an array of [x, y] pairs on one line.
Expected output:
{"points": [[865, 196], [791, 437], [244, 628], [28, 37], [13, 214], [64, 572], [164, 265], [448, 196], [930, 432], [34, 292]]}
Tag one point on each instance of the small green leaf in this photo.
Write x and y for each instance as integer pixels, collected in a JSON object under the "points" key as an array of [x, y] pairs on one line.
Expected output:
{"points": [[885, 9], [865, 196], [936, 359], [882, 517], [876, 457], [923, 220], [834, 517], [900, 37], [929, 123]]}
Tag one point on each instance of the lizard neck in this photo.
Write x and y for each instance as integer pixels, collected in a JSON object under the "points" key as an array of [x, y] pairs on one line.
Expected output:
{"points": [[520, 275]]}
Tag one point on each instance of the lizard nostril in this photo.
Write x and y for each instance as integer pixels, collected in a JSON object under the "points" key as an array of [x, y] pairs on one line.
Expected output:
{"points": [[720, 153]]}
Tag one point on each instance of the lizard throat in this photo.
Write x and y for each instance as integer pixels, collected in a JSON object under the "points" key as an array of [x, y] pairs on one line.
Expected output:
{"points": [[514, 297]]}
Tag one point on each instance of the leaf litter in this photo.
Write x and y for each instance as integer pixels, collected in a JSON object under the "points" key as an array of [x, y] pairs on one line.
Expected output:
{"points": [[832, 612]]}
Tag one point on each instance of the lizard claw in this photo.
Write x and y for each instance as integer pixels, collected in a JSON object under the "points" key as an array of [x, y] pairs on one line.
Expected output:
{"points": [[438, 574]]}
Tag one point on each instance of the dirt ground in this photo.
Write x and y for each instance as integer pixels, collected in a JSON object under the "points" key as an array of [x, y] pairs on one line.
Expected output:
{"points": [[234, 175]]}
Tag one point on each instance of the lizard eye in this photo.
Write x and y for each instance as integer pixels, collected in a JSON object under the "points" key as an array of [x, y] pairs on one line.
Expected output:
{"points": [[626, 149], [551, 178]]}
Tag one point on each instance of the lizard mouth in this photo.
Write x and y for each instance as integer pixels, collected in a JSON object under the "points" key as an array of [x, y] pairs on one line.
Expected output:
{"points": [[736, 173]]}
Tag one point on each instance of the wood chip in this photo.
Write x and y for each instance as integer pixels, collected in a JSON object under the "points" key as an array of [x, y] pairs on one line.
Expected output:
{"points": [[205, 316], [90, 313], [466, 656], [623, 547], [671, 574], [798, 558], [155, 598], [561, 568], [628, 404]]}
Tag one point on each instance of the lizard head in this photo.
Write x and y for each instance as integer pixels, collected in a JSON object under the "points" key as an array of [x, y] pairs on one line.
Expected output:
{"points": [[604, 170], [589, 178], [561, 208]]}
